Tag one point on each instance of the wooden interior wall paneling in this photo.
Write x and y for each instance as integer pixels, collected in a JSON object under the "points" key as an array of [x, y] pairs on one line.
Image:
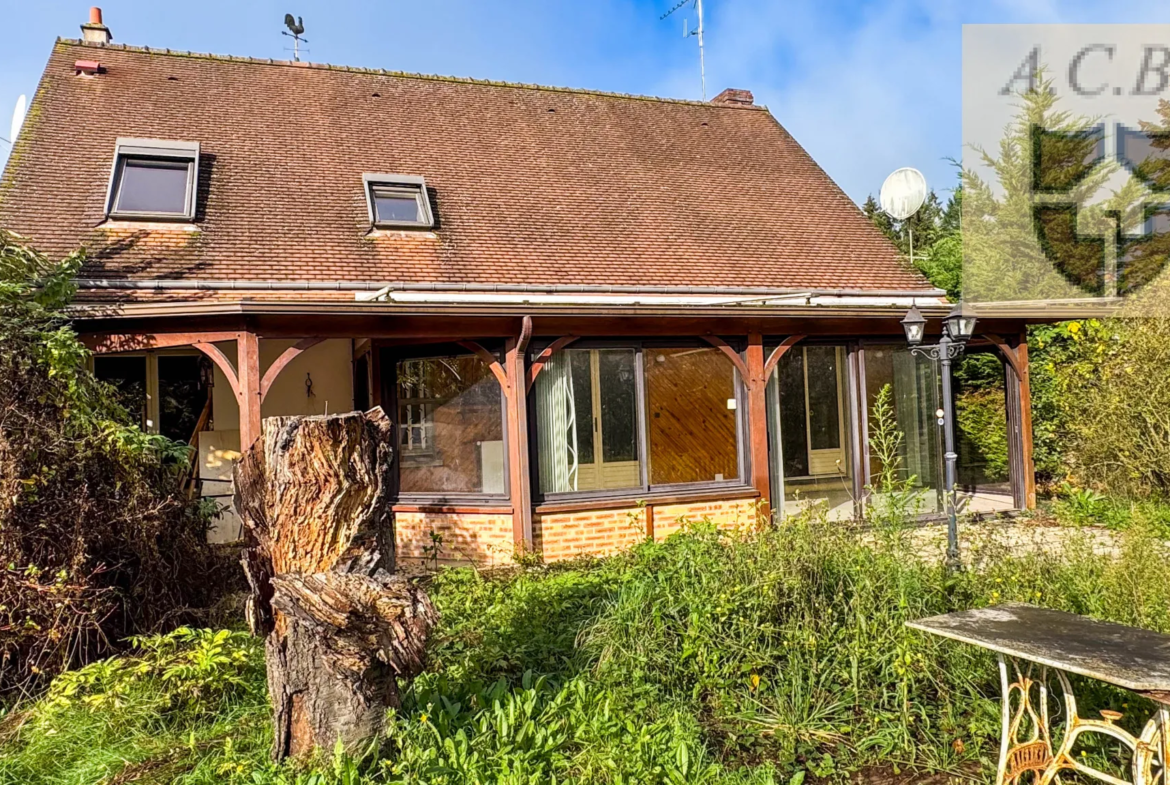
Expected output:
{"points": [[692, 431]]}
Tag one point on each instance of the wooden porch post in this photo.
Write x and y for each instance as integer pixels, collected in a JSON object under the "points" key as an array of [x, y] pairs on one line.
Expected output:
{"points": [[758, 418], [516, 390], [1025, 387], [1019, 404], [249, 394]]}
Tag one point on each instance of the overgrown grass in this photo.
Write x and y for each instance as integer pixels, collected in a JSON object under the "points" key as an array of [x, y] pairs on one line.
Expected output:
{"points": [[711, 658], [1084, 507]]}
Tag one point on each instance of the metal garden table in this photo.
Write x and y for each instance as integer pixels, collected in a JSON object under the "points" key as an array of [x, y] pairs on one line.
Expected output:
{"points": [[1030, 642]]}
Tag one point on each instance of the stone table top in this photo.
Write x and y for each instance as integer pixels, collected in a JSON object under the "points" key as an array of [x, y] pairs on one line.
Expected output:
{"points": [[1128, 657]]}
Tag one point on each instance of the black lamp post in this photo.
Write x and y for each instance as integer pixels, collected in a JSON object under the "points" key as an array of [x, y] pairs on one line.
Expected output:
{"points": [[959, 327]]}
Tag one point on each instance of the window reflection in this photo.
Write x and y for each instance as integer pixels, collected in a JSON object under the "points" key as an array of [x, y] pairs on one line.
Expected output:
{"points": [[450, 423]]}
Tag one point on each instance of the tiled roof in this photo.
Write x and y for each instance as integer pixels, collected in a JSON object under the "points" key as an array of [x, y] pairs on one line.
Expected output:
{"points": [[531, 185]]}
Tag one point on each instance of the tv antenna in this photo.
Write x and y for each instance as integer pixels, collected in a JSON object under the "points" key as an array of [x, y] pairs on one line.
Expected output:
{"points": [[17, 120], [902, 194], [296, 28], [687, 33]]}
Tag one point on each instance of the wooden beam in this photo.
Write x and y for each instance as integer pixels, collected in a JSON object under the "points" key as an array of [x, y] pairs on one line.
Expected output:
{"points": [[756, 383], [546, 355], [361, 346], [110, 344], [732, 354], [649, 511], [778, 352], [286, 357], [248, 355]]}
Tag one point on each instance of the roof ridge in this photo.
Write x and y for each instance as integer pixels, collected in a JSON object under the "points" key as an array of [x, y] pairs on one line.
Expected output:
{"points": [[400, 74]]}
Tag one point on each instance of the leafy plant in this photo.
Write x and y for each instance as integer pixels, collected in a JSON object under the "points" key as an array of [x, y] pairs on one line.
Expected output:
{"points": [[97, 541], [730, 658]]}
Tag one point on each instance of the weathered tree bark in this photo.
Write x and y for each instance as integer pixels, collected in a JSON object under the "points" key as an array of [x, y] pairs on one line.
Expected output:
{"points": [[340, 626]]}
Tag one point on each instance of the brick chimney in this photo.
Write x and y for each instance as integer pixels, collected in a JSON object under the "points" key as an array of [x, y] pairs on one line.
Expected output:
{"points": [[734, 97], [94, 31]]}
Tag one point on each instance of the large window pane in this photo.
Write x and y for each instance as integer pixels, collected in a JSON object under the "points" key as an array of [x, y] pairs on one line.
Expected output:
{"points": [[808, 431], [616, 370], [450, 422], [914, 396], [691, 406], [981, 435], [587, 421]]}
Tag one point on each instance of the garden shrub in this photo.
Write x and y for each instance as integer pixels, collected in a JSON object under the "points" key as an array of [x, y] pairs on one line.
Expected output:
{"points": [[1120, 411], [97, 540]]}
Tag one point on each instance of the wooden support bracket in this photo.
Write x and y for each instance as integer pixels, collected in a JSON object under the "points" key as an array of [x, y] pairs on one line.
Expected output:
{"points": [[732, 354], [1009, 354], [546, 355], [225, 365], [286, 357], [489, 359], [778, 352]]}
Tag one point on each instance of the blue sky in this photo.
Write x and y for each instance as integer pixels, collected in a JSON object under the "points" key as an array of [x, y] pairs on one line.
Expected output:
{"points": [[865, 86]]}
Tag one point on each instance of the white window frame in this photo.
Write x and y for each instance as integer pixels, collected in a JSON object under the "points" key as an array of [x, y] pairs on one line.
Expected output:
{"points": [[126, 148], [401, 182]]}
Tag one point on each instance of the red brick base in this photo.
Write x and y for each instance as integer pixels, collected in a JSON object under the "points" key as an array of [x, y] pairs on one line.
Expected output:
{"points": [[486, 539]]}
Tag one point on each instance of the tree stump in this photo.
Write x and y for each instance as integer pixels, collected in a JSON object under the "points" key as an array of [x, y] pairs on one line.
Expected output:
{"points": [[340, 626]]}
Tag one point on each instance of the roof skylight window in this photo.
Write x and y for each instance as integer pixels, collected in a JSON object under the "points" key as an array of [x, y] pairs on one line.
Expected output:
{"points": [[398, 201], [153, 179]]}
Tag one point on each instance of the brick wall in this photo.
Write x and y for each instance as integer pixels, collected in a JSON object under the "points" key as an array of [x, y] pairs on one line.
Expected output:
{"points": [[602, 532], [468, 538], [726, 514], [486, 539], [591, 532]]}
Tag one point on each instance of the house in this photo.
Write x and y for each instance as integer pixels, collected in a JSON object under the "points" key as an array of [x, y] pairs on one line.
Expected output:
{"points": [[590, 315]]}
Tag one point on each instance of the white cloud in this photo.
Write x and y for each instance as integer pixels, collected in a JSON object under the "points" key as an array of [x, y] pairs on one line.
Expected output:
{"points": [[870, 88]]}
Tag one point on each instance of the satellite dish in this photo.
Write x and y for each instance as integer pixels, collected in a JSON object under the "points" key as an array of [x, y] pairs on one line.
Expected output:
{"points": [[903, 193], [18, 118]]}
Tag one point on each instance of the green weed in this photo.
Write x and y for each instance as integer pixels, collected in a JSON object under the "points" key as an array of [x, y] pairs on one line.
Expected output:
{"points": [[732, 659]]}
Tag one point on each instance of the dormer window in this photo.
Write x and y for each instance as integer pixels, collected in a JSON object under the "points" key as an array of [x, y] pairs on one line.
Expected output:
{"points": [[153, 179], [398, 201]]}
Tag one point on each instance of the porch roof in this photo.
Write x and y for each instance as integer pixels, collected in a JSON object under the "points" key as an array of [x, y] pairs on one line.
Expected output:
{"points": [[532, 186]]}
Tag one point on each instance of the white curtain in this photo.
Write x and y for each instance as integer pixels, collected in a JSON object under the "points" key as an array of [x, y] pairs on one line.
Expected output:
{"points": [[556, 426]]}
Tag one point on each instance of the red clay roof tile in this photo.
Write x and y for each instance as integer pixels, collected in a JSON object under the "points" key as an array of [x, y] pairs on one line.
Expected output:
{"points": [[530, 185]]}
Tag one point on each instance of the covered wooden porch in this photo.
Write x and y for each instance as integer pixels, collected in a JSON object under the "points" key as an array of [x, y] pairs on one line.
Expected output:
{"points": [[521, 508]]}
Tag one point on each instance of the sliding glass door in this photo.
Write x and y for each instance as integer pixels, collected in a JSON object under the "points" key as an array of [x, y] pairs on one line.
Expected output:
{"points": [[808, 430], [587, 421], [913, 397], [615, 420]]}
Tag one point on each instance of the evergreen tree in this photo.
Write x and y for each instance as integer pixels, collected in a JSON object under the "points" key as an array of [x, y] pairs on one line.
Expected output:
{"points": [[951, 221], [885, 224]]}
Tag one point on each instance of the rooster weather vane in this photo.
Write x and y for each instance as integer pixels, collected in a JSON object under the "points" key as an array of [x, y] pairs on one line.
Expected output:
{"points": [[296, 28]]}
